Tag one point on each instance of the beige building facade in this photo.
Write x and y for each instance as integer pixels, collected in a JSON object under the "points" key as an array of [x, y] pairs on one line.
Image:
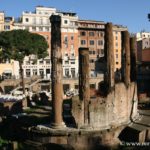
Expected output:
{"points": [[9, 69], [75, 33], [39, 22], [1, 21]]}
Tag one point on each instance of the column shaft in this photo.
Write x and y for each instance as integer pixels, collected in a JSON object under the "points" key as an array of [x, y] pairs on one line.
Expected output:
{"points": [[84, 88], [56, 71], [126, 49], [109, 56]]}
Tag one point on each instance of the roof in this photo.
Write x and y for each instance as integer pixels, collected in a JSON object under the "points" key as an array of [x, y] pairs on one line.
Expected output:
{"points": [[92, 21], [67, 13]]}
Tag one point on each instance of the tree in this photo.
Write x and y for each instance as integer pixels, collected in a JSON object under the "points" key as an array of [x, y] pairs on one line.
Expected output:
{"points": [[17, 44]]}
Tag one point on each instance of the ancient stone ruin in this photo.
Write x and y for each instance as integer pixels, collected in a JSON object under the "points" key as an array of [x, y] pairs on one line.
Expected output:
{"points": [[99, 120], [56, 73], [119, 103]]}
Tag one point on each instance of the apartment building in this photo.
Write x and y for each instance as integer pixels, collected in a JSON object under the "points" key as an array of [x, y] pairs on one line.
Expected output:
{"points": [[75, 33], [143, 42], [91, 35], [9, 69], [1, 21], [38, 22], [142, 35], [117, 29], [6, 23], [143, 65]]}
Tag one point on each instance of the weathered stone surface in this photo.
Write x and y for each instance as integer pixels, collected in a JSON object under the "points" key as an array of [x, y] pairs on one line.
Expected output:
{"points": [[126, 57], [118, 108], [84, 86], [56, 73], [109, 56], [133, 55], [78, 138], [78, 111]]}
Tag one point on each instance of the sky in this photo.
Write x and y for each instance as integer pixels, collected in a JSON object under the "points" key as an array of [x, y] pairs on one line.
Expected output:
{"points": [[130, 13]]}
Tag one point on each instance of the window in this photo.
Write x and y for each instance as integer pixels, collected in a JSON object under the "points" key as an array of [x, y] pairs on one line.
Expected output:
{"points": [[71, 23], [72, 54], [91, 60], [117, 63], [66, 62], [7, 27], [91, 42], [116, 44], [40, 29], [33, 28], [116, 50], [72, 62], [76, 86], [41, 72], [34, 71], [100, 42], [26, 19], [66, 54], [72, 37], [47, 71], [83, 42], [92, 86], [90, 52], [28, 73], [67, 72], [46, 28], [91, 33], [72, 46], [82, 33], [73, 72], [47, 61], [34, 20], [116, 55], [41, 62], [65, 21], [47, 21], [102, 34], [41, 21], [102, 51], [65, 39], [27, 63]]}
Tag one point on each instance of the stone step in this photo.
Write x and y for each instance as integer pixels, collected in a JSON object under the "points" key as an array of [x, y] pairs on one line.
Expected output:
{"points": [[32, 145]]}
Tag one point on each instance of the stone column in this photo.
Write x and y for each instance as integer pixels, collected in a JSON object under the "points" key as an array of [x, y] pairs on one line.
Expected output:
{"points": [[133, 57], [84, 87], [109, 56], [56, 72], [126, 49]]}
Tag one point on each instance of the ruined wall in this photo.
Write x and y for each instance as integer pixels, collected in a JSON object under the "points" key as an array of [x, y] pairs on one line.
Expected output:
{"points": [[118, 108], [77, 139]]}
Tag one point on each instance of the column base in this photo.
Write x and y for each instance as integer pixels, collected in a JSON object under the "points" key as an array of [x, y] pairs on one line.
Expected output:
{"points": [[58, 126]]}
